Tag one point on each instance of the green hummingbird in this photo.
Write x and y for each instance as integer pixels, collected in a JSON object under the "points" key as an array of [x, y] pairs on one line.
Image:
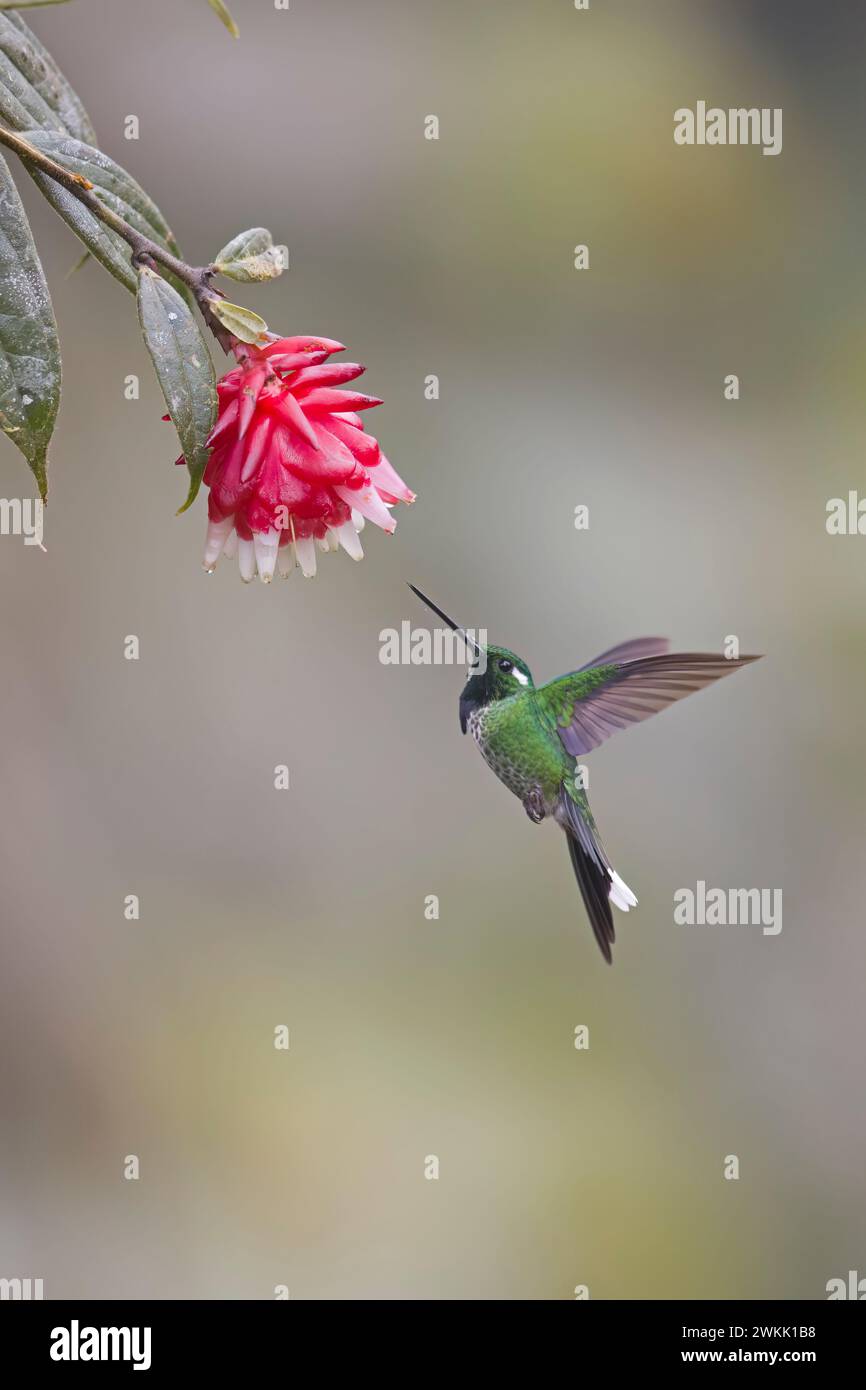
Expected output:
{"points": [[532, 736]]}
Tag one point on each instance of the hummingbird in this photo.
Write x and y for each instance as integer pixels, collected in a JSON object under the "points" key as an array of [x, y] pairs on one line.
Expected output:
{"points": [[532, 736]]}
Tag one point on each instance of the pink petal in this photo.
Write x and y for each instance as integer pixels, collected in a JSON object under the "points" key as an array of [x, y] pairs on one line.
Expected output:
{"points": [[332, 374], [226, 474], [329, 462], [324, 398], [257, 447], [292, 361], [304, 343], [249, 397], [363, 446], [287, 409], [387, 479], [367, 501], [228, 416]]}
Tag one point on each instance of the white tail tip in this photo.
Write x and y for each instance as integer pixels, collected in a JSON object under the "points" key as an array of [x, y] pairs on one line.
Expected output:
{"points": [[620, 894]]}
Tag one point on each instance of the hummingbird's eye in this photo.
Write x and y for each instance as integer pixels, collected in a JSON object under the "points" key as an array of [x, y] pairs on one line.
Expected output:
{"points": [[505, 664]]}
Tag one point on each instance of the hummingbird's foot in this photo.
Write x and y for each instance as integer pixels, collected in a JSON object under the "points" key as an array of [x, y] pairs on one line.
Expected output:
{"points": [[533, 805]]}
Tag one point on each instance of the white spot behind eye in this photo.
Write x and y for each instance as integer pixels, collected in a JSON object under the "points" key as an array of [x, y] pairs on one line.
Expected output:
{"points": [[519, 675]]}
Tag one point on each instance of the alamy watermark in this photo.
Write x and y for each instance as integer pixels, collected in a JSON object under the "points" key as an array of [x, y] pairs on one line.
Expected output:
{"points": [[846, 516], [23, 516], [419, 646], [853, 1287], [732, 907], [21, 1290], [77, 1343], [736, 126]]}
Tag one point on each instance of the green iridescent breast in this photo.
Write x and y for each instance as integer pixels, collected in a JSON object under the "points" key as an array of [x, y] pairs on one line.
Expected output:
{"points": [[519, 747]]}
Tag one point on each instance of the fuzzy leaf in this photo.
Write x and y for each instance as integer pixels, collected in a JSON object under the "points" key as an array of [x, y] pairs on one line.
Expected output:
{"points": [[29, 350], [222, 11], [110, 250], [184, 367], [115, 187], [37, 65], [243, 323], [33, 90], [251, 256]]}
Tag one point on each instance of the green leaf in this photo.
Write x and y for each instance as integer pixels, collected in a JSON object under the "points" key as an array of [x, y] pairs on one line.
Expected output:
{"points": [[251, 256], [115, 187], [21, 105], [184, 367], [29, 350], [222, 11], [108, 248], [37, 65], [243, 323], [29, 4], [33, 90]]}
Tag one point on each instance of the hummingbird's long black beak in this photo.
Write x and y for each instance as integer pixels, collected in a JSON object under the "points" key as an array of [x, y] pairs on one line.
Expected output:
{"points": [[455, 627]]}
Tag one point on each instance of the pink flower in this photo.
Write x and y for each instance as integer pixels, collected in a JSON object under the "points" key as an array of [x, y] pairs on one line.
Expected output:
{"points": [[291, 467]]}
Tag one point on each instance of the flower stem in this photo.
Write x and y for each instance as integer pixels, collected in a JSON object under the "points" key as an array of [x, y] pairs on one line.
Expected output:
{"points": [[144, 250]]}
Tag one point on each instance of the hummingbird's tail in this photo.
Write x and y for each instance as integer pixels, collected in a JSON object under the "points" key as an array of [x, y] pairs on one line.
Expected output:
{"points": [[599, 883]]}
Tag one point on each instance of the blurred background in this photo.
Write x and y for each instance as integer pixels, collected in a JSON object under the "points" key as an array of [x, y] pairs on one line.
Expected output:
{"points": [[453, 1037]]}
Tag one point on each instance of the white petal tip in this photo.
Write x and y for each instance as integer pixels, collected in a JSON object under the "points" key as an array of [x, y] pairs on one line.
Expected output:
{"points": [[218, 533], [348, 538], [305, 550], [247, 560], [266, 544]]}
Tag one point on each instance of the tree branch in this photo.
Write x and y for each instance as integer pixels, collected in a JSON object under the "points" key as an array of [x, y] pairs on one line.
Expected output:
{"points": [[144, 250]]}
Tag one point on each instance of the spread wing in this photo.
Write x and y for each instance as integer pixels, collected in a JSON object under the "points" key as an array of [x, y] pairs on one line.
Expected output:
{"points": [[589, 705], [630, 651]]}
